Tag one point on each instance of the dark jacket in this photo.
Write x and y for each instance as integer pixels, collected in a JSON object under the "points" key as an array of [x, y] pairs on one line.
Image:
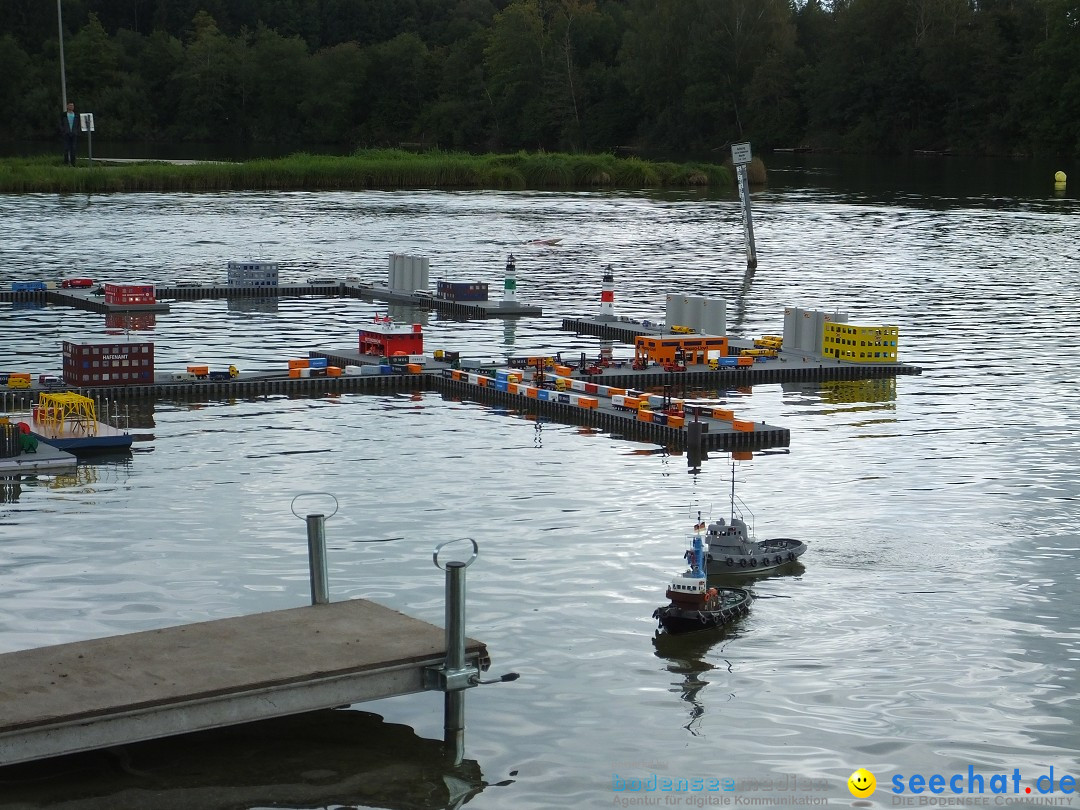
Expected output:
{"points": [[69, 131]]}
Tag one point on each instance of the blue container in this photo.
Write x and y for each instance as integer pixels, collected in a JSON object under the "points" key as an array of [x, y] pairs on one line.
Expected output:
{"points": [[386, 369], [659, 418], [543, 394], [502, 374], [564, 398], [317, 362], [502, 385]]}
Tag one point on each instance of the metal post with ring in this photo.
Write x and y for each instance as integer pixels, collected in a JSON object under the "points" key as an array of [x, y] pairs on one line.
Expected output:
{"points": [[316, 538], [455, 675]]}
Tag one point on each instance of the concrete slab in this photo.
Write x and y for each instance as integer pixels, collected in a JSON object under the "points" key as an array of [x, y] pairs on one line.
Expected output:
{"points": [[110, 691]]}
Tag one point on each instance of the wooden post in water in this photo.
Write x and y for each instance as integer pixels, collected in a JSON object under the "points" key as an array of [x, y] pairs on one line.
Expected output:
{"points": [[741, 156]]}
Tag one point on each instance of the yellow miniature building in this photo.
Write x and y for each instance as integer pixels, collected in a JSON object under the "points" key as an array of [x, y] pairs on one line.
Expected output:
{"points": [[860, 344]]}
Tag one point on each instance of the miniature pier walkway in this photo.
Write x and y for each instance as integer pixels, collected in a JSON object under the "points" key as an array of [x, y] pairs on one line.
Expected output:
{"points": [[111, 691], [82, 299]]}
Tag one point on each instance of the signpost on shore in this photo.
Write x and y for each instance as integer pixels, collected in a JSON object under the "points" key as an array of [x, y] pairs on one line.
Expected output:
{"points": [[86, 124], [741, 156]]}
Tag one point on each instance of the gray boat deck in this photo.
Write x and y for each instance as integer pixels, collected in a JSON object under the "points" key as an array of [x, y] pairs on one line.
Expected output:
{"points": [[45, 459], [111, 691]]}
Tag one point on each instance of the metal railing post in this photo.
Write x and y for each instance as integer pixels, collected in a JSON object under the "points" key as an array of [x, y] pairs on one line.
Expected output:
{"points": [[454, 704], [316, 541]]}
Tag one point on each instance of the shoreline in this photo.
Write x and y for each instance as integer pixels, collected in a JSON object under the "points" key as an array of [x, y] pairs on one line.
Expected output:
{"points": [[368, 169]]}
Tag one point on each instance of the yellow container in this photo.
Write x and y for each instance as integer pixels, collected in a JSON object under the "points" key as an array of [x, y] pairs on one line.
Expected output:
{"points": [[303, 362], [743, 425], [438, 354], [723, 413]]}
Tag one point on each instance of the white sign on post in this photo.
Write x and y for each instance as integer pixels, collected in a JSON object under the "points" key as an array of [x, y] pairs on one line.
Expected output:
{"points": [[86, 121], [740, 153]]}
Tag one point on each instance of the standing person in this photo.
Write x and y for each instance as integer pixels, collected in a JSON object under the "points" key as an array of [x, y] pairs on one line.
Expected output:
{"points": [[69, 130]]}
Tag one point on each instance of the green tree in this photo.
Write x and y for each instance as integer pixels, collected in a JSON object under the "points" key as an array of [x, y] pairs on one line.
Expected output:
{"points": [[274, 75], [212, 99], [15, 67], [403, 72], [337, 97]]}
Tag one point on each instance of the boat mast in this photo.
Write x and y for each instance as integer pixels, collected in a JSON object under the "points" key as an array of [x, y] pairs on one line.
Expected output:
{"points": [[733, 487]]}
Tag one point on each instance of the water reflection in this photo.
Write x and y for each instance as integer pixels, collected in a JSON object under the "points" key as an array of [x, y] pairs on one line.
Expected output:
{"points": [[124, 322], [686, 655], [319, 759], [841, 392], [268, 305]]}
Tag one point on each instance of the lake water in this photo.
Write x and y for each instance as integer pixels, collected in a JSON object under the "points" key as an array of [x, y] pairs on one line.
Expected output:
{"points": [[933, 625]]}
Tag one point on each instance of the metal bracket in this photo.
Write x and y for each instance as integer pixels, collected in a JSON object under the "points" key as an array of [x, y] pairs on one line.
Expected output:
{"points": [[443, 680]]}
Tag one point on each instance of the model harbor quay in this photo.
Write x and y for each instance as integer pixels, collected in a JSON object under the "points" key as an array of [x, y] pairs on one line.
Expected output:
{"points": [[690, 349], [609, 394]]}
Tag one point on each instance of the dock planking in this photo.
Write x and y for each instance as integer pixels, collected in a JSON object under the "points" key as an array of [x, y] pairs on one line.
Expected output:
{"points": [[110, 691]]}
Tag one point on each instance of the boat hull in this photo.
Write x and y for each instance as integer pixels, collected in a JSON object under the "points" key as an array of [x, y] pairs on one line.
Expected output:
{"points": [[768, 554], [676, 619]]}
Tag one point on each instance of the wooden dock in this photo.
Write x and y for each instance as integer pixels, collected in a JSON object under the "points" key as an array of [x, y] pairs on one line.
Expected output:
{"points": [[93, 694]]}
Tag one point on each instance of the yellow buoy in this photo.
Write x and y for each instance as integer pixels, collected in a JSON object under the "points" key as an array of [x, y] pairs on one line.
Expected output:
{"points": [[1059, 178]]}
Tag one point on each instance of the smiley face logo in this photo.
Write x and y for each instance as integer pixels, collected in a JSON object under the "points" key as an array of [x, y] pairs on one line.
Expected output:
{"points": [[862, 783]]}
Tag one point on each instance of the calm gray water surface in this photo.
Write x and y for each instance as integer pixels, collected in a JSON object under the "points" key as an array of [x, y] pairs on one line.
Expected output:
{"points": [[933, 626]]}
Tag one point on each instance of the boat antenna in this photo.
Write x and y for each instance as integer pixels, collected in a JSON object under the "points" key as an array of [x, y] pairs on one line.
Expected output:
{"points": [[733, 486]]}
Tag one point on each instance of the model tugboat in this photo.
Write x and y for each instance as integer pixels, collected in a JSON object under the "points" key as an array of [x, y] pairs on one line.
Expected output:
{"points": [[694, 606], [731, 546]]}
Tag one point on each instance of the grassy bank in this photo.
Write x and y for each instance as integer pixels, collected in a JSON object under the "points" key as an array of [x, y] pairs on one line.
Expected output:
{"points": [[383, 168]]}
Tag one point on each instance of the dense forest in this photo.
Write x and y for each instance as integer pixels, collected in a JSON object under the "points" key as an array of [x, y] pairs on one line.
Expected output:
{"points": [[662, 76]]}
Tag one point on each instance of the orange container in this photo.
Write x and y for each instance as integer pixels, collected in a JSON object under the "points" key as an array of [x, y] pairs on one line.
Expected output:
{"points": [[615, 392], [455, 374], [676, 421], [563, 371], [333, 371], [511, 388], [588, 402], [723, 413], [482, 381], [303, 362], [200, 371], [644, 415], [294, 373], [414, 368], [743, 425], [531, 392]]}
